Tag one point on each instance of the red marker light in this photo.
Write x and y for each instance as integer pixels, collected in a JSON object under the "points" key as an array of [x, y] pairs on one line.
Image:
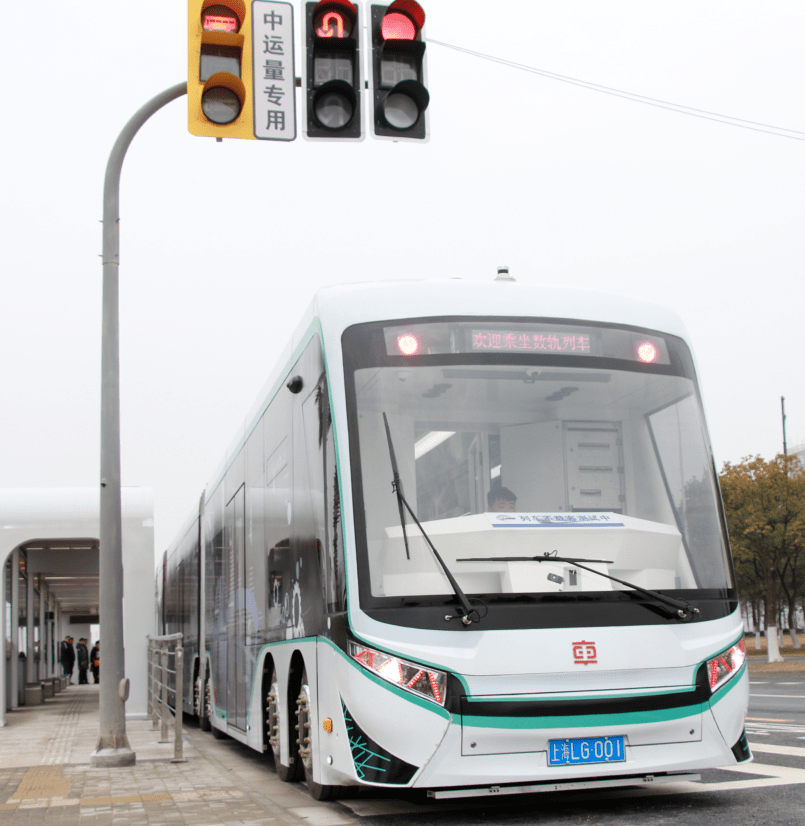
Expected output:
{"points": [[398, 26], [647, 352], [408, 344]]}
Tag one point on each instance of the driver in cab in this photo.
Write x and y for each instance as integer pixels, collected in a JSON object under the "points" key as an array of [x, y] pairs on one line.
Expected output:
{"points": [[501, 500]]}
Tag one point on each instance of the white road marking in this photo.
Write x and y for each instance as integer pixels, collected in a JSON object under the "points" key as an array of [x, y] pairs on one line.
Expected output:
{"points": [[781, 696], [793, 751]]}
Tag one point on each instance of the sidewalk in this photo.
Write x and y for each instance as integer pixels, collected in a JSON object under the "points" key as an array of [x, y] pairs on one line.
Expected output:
{"points": [[45, 776]]}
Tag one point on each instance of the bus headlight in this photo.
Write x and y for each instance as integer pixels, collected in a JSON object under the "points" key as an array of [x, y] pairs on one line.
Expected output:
{"points": [[427, 682], [726, 665]]}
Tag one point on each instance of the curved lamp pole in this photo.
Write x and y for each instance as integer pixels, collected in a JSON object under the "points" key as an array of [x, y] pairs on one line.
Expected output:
{"points": [[113, 746]]}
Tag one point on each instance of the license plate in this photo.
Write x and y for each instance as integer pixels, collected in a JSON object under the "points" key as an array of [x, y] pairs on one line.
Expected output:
{"points": [[575, 750]]}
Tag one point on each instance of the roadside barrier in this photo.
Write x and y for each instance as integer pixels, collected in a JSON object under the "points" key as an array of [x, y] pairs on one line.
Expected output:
{"points": [[165, 689]]}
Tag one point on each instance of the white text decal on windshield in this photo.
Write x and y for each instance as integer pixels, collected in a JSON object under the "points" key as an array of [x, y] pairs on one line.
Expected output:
{"points": [[554, 520]]}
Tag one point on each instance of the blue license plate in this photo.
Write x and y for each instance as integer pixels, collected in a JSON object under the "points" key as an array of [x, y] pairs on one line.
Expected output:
{"points": [[575, 750]]}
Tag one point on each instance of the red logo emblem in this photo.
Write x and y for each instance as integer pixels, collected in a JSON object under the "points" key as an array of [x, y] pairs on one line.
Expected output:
{"points": [[584, 653]]}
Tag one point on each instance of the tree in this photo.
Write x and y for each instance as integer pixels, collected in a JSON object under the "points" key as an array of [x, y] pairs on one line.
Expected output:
{"points": [[765, 508]]}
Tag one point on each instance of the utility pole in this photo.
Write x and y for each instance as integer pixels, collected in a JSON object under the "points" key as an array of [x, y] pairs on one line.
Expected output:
{"points": [[113, 745], [782, 405]]}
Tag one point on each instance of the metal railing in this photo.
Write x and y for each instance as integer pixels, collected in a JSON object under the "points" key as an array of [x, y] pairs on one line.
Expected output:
{"points": [[166, 684]]}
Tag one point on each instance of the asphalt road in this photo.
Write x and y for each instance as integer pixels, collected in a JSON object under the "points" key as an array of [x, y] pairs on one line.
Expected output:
{"points": [[771, 790]]}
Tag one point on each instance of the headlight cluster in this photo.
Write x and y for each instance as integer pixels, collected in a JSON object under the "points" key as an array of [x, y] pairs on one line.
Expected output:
{"points": [[426, 682], [726, 665]]}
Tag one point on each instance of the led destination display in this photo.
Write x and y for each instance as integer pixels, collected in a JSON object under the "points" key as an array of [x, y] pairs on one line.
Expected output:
{"points": [[524, 338]]}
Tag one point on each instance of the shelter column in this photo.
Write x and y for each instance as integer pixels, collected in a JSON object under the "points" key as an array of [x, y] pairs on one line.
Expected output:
{"points": [[15, 628], [43, 661], [3, 664], [29, 618]]}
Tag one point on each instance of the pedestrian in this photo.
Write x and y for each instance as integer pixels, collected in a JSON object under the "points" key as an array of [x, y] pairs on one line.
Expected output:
{"points": [[95, 662], [83, 661], [67, 657]]}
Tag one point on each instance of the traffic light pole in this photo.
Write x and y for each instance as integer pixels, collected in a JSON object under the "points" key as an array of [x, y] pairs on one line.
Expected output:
{"points": [[113, 747]]}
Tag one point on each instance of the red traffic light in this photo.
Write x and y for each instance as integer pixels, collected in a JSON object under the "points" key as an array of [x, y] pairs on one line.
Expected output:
{"points": [[219, 19], [403, 20], [399, 97], [403, 9], [334, 19]]}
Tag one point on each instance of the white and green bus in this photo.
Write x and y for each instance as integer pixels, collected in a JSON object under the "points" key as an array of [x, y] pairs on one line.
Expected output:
{"points": [[469, 540]]}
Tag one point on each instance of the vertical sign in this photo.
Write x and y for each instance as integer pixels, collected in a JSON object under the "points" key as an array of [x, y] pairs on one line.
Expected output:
{"points": [[273, 67]]}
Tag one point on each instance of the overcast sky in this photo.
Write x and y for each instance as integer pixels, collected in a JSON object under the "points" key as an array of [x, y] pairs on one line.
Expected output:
{"points": [[224, 244]]}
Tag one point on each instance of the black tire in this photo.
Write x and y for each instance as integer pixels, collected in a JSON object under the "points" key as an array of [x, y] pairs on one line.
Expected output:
{"points": [[273, 732], [218, 734], [305, 743], [204, 718]]}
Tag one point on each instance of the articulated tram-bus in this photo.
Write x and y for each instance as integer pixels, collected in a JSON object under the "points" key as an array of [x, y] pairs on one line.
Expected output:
{"points": [[470, 541]]}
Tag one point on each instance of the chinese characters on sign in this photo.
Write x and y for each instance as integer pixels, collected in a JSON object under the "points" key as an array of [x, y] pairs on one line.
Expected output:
{"points": [[274, 76], [555, 520], [546, 342]]}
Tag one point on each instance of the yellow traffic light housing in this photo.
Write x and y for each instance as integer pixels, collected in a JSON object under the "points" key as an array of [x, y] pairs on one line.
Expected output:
{"points": [[219, 70]]}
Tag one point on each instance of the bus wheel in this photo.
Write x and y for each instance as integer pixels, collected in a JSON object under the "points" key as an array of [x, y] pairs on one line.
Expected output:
{"points": [[305, 741], [273, 734], [205, 701]]}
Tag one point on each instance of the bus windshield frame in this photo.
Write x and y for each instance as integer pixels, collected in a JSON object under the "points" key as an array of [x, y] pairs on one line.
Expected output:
{"points": [[469, 421]]}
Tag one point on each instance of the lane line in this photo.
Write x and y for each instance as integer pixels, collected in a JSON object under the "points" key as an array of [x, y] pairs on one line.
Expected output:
{"points": [[781, 696], [793, 751]]}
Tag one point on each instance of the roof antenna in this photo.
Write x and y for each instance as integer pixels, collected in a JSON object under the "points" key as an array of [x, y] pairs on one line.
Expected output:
{"points": [[503, 275]]}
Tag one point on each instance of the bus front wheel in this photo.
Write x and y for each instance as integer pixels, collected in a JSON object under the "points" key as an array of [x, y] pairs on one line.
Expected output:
{"points": [[305, 743]]}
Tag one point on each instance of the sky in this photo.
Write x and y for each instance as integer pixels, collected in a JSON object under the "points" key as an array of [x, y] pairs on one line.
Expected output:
{"points": [[224, 244]]}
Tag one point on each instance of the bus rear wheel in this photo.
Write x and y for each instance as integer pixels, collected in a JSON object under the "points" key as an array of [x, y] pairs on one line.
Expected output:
{"points": [[201, 703], [273, 734], [305, 743]]}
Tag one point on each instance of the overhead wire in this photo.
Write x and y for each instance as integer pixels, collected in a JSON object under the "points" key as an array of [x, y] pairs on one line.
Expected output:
{"points": [[729, 120]]}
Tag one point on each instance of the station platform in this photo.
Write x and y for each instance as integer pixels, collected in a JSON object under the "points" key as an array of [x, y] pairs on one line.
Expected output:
{"points": [[46, 777]]}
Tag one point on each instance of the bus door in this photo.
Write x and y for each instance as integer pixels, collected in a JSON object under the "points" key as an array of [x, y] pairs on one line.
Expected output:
{"points": [[234, 534]]}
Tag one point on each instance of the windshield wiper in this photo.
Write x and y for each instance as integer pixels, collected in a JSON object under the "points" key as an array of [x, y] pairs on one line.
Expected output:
{"points": [[682, 607], [396, 486]]}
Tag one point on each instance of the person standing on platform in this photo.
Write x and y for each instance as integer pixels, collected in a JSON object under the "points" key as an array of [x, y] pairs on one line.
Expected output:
{"points": [[95, 662], [83, 661], [67, 657]]}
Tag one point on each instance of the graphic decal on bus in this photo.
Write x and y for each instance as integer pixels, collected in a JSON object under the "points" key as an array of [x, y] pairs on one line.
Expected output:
{"points": [[584, 652], [372, 762]]}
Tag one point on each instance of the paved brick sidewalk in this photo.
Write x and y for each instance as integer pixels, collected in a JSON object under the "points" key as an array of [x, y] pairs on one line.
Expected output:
{"points": [[45, 776]]}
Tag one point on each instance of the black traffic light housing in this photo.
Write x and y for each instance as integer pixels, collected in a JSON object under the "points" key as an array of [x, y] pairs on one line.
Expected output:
{"points": [[399, 93], [333, 80]]}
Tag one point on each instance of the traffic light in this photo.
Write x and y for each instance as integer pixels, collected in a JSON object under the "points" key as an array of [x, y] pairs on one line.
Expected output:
{"points": [[241, 81], [399, 94], [219, 67], [333, 80]]}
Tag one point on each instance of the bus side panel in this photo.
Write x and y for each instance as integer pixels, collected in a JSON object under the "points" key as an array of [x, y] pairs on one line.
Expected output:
{"points": [[215, 606]]}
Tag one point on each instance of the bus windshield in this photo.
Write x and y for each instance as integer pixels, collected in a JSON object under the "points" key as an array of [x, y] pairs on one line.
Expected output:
{"points": [[596, 451]]}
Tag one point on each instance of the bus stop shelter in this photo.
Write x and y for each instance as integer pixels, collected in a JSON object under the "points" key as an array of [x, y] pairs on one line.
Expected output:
{"points": [[49, 549]]}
